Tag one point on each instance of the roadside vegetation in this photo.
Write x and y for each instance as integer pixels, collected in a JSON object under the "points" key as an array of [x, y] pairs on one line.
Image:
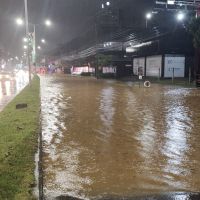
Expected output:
{"points": [[194, 30], [18, 143]]}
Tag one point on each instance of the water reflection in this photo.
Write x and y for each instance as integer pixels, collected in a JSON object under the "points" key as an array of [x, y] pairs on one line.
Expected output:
{"points": [[111, 138], [107, 111], [176, 136]]}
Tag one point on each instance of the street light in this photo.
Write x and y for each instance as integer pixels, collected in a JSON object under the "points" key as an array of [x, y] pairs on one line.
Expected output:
{"points": [[19, 21], [43, 41], [48, 22], [180, 16], [148, 17], [25, 39], [108, 3]]}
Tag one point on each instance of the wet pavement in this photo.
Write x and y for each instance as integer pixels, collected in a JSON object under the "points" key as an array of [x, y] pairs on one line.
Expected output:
{"points": [[10, 85], [104, 138]]}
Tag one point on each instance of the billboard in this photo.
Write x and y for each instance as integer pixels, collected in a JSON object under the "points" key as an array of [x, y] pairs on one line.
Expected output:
{"points": [[176, 64], [138, 66], [154, 66]]}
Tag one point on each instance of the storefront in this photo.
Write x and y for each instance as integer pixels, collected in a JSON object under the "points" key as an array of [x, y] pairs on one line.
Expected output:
{"points": [[174, 65], [162, 66]]}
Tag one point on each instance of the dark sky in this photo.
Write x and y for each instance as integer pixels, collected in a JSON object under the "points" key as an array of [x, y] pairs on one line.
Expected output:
{"points": [[70, 18]]}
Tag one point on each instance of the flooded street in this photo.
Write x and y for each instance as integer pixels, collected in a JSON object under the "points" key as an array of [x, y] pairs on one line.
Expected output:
{"points": [[103, 137], [11, 85]]}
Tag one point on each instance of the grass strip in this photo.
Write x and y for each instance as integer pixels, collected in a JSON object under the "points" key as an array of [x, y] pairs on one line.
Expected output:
{"points": [[18, 143]]}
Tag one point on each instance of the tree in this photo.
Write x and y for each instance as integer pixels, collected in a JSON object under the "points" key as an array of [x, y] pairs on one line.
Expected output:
{"points": [[194, 30], [103, 60]]}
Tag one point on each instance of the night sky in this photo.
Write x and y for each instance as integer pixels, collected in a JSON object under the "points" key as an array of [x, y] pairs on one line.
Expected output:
{"points": [[70, 19]]}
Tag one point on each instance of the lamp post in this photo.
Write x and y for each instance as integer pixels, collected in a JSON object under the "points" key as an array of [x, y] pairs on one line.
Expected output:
{"points": [[20, 22], [34, 47], [48, 23], [27, 36], [148, 17]]}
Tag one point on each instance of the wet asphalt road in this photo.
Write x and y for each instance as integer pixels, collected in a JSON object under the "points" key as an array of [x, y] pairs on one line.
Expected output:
{"points": [[107, 139], [10, 85]]}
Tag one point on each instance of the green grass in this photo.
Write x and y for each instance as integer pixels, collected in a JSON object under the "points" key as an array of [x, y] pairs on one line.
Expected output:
{"points": [[18, 143]]}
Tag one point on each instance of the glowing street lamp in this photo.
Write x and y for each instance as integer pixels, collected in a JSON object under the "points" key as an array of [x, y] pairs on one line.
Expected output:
{"points": [[108, 3], [48, 22], [148, 17], [19, 21], [25, 39], [43, 41], [180, 16]]}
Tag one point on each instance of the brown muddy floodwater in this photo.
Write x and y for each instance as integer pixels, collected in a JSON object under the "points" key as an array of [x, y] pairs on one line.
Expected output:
{"points": [[104, 137]]}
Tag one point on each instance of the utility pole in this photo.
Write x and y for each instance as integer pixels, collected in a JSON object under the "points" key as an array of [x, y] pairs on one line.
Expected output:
{"points": [[97, 55], [34, 46], [27, 35]]}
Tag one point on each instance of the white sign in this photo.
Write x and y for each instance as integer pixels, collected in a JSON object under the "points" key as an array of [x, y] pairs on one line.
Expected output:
{"points": [[176, 63], [79, 70], [138, 66], [109, 70], [154, 66]]}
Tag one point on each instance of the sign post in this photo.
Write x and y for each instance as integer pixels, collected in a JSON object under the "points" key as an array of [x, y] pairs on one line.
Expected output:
{"points": [[140, 79], [173, 76]]}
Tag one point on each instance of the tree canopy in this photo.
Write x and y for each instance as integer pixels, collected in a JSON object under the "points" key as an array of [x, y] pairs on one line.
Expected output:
{"points": [[194, 30]]}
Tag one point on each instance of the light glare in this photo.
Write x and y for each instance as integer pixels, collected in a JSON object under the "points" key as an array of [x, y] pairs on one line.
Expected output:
{"points": [[180, 16], [25, 39], [148, 15], [19, 21], [171, 2], [43, 41], [48, 22], [108, 3]]}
